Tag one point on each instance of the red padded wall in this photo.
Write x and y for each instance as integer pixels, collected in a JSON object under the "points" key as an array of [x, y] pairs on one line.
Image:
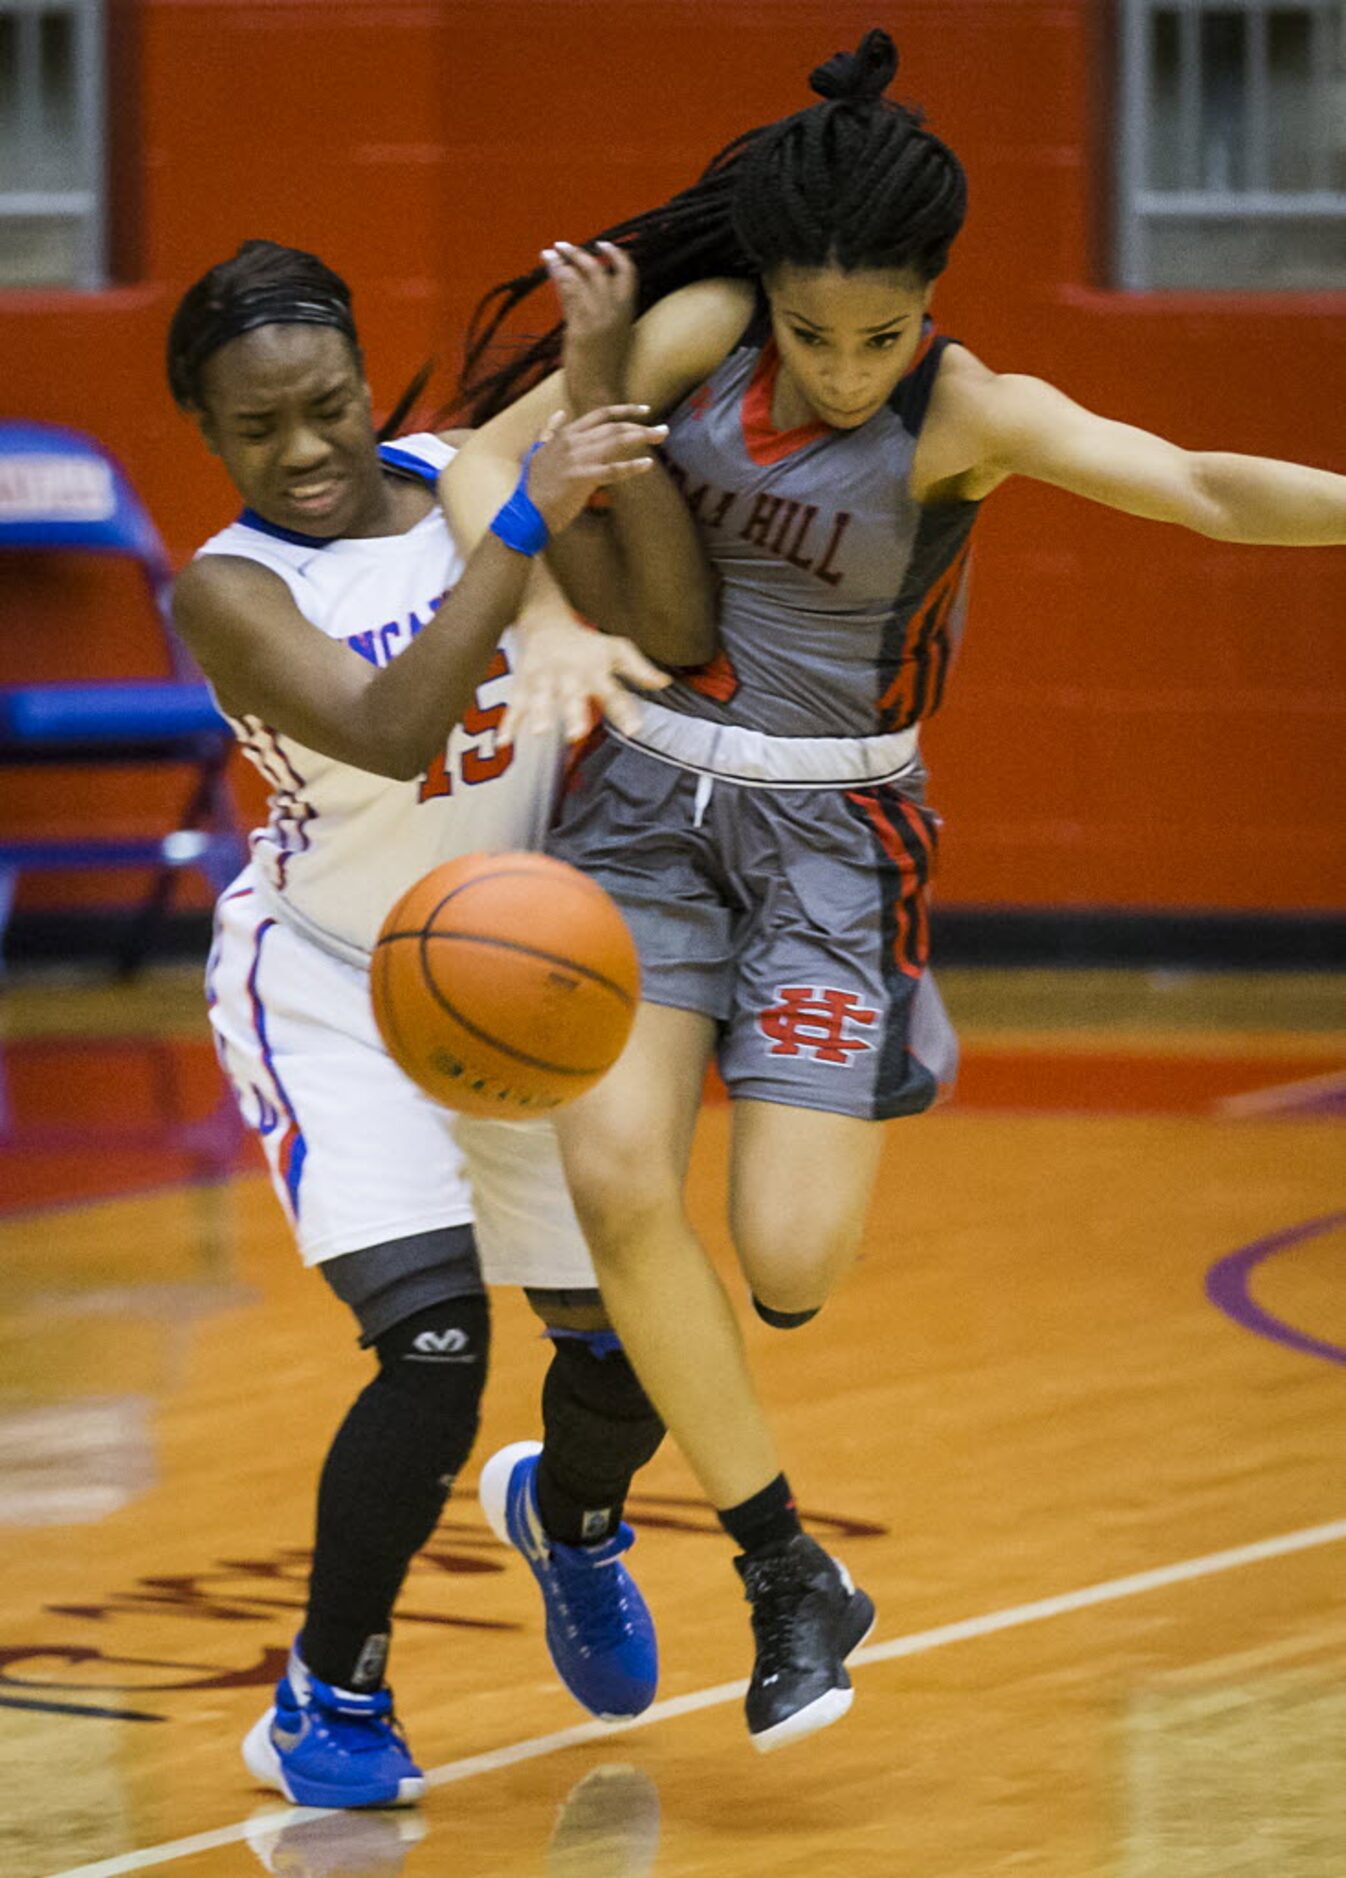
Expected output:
{"points": [[1140, 717]]}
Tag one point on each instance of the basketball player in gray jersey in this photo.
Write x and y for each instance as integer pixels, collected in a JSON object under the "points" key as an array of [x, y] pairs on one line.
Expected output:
{"points": [[763, 827]]}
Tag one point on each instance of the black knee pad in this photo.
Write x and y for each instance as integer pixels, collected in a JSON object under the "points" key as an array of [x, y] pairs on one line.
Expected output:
{"points": [[783, 1320], [387, 1475], [434, 1364], [601, 1426]]}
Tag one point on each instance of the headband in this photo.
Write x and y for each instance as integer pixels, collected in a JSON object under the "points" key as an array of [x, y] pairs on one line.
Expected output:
{"points": [[271, 305]]}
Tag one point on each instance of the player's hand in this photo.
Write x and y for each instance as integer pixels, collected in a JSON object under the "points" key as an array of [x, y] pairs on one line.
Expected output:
{"points": [[572, 460], [566, 672], [598, 294]]}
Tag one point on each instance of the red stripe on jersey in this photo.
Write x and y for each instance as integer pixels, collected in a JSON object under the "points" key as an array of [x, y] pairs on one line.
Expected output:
{"points": [[763, 442], [576, 756], [716, 679], [918, 683]]}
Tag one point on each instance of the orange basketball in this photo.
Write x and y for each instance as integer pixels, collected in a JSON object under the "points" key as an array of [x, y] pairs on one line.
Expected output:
{"points": [[505, 984]]}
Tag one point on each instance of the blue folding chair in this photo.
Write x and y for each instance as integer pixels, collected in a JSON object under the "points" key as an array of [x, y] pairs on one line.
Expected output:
{"points": [[61, 491]]}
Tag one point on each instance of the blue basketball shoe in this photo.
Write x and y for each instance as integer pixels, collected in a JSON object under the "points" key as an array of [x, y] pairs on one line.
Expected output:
{"points": [[599, 1629], [323, 1746]]}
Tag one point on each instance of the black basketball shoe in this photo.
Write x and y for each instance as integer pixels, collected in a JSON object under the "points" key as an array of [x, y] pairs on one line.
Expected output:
{"points": [[807, 1617]]}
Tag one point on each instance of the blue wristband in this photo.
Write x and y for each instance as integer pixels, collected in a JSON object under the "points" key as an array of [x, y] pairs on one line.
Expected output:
{"points": [[519, 524]]}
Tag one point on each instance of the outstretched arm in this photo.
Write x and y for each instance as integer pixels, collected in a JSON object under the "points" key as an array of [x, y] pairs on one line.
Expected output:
{"points": [[1016, 426], [266, 660]]}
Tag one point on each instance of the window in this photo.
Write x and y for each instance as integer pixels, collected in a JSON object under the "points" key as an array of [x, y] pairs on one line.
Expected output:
{"points": [[51, 144], [1232, 144]]}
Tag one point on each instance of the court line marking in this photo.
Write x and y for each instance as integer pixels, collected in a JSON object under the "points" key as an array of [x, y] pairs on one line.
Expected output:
{"points": [[1136, 1584], [1228, 1286]]}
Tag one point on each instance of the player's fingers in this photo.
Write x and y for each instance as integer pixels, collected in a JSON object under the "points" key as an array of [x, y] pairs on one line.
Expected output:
{"points": [[620, 707], [534, 705], [567, 691], [586, 265], [628, 661], [619, 261], [536, 709], [561, 704], [600, 453], [585, 723], [564, 258], [568, 289], [579, 715], [623, 472], [618, 416], [552, 425], [581, 291], [621, 441]]}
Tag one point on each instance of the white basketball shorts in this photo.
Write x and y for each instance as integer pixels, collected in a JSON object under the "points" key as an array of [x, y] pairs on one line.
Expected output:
{"points": [[358, 1155]]}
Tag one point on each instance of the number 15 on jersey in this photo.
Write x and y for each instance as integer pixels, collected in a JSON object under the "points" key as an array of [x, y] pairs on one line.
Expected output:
{"points": [[485, 757]]}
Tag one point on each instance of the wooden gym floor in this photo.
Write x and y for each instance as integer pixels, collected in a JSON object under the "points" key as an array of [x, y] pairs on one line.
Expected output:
{"points": [[1078, 1423]]}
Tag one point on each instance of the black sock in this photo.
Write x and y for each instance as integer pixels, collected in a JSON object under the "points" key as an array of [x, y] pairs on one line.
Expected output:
{"points": [[600, 1427], [783, 1320], [768, 1518], [384, 1483]]}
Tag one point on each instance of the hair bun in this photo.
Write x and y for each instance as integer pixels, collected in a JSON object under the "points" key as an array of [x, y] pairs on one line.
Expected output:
{"points": [[858, 77]]}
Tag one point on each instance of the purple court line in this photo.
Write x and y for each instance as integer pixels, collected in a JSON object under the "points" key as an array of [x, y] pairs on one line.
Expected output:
{"points": [[1227, 1287], [1311, 1097]]}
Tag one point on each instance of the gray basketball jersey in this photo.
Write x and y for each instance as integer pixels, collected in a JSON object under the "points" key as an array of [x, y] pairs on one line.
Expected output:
{"points": [[842, 597]]}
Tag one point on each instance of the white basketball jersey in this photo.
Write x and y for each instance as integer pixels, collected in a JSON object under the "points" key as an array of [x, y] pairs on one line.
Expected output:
{"points": [[341, 844]]}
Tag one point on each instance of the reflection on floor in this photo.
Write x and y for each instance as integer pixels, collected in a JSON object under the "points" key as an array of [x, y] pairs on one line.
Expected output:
{"points": [[606, 1827]]}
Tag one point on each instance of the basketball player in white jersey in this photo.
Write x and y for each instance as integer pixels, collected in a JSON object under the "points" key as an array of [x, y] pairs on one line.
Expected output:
{"points": [[367, 669]]}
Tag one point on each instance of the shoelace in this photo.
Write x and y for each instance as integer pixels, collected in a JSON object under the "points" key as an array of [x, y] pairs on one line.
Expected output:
{"points": [[377, 1706], [374, 1726], [775, 1588], [594, 1604]]}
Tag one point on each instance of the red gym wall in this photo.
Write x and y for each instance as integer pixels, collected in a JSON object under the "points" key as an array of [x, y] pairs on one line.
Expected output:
{"points": [[1139, 718]]}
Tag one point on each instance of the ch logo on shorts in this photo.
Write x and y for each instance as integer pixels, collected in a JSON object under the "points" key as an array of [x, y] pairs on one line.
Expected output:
{"points": [[812, 1020]]}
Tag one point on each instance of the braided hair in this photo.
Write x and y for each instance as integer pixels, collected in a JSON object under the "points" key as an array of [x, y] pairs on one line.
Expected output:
{"points": [[264, 284], [856, 181]]}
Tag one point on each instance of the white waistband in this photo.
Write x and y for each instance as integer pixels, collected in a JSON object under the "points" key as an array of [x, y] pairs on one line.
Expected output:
{"points": [[751, 757]]}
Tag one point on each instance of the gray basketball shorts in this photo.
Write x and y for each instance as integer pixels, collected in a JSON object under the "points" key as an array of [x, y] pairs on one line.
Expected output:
{"points": [[796, 918]]}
